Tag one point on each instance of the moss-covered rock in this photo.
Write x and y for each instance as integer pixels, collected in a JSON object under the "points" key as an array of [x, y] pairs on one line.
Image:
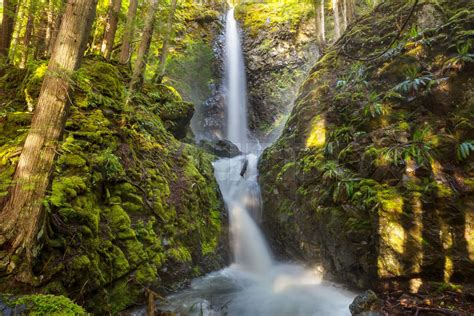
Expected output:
{"points": [[279, 47], [39, 305], [365, 177], [130, 206]]}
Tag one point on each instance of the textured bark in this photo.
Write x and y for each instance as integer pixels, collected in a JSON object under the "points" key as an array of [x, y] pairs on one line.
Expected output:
{"points": [[319, 21], [22, 216], [27, 39], [8, 24], [344, 14], [322, 29], [55, 28], [166, 42], [48, 31], [22, 10], [142, 55], [337, 23], [111, 28], [128, 32]]}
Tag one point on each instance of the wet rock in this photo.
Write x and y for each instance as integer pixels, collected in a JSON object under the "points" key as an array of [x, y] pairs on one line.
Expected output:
{"points": [[221, 148], [277, 59], [366, 304]]}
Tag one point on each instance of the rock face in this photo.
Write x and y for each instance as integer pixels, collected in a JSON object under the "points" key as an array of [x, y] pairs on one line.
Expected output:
{"points": [[221, 148], [131, 207], [372, 175], [278, 55]]}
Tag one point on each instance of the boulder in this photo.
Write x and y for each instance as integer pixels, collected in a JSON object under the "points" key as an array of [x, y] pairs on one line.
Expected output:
{"points": [[221, 148], [366, 303]]}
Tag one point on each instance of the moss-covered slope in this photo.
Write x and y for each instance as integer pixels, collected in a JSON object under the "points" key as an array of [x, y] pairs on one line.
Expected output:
{"points": [[374, 172], [130, 207]]}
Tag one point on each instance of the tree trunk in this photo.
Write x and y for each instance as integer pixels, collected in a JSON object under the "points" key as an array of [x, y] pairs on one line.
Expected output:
{"points": [[166, 42], [142, 55], [318, 21], [111, 28], [344, 15], [351, 11], [323, 22], [27, 38], [22, 8], [48, 31], [337, 23], [8, 24], [22, 216], [56, 25], [128, 32]]}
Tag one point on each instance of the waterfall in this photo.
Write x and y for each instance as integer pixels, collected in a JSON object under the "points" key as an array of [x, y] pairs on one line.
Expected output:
{"points": [[235, 85], [241, 193], [254, 284]]}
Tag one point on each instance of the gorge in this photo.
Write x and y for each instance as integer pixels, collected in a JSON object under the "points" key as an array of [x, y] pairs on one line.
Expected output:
{"points": [[275, 157]]}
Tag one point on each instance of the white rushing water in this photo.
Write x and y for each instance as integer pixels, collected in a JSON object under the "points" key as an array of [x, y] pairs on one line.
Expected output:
{"points": [[254, 284], [235, 85]]}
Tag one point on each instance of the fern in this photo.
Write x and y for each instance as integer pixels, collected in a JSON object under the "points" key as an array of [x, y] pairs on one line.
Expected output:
{"points": [[464, 149]]}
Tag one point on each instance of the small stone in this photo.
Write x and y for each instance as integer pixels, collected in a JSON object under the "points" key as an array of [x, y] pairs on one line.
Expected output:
{"points": [[366, 303]]}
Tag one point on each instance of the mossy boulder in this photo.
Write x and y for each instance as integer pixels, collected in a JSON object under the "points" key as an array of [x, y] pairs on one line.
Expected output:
{"points": [[370, 176], [39, 305]]}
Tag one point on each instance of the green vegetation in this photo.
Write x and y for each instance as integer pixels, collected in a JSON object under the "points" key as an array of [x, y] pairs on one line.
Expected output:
{"points": [[127, 198], [373, 155]]}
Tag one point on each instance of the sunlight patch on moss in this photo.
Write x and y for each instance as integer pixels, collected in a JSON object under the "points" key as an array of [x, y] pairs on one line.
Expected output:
{"points": [[317, 136]]}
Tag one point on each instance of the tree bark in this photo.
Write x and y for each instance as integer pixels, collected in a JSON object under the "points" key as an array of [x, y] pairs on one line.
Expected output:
{"points": [[166, 42], [27, 38], [56, 25], [22, 9], [337, 23], [344, 15], [323, 22], [142, 55], [128, 32], [8, 24], [319, 21], [22, 216], [111, 28]]}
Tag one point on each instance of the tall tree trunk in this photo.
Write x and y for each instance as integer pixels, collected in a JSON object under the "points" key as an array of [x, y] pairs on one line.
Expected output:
{"points": [[128, 32], [111, 28], [344, 15], [48, 31], [27, 38], [318, 21], [142, 55], [56, 26], [323, 22], [337, 23], [22, 216], [22, 9], [8, 24], [166, 42], [351, 8]]}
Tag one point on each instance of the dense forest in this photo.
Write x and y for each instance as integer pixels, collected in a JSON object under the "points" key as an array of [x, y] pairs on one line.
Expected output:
{"points": [[253, 157]]}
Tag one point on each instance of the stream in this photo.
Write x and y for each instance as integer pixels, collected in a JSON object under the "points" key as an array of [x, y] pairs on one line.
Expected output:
{"points": [[254, 284]]}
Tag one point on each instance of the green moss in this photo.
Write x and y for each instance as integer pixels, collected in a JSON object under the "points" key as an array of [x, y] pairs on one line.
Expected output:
{"points": [[257, 16], [146, 274], [180, 254], [127, 198], [49, 305]]}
